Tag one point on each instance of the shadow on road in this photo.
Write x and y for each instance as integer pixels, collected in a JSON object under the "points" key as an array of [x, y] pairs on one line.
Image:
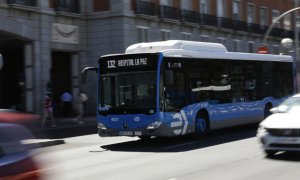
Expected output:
{"points": [[185, 143], [286, 156], [61, 133]]}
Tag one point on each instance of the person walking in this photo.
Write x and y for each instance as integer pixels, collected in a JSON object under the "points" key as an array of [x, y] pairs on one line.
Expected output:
{"points": [[48, 110], [80, 100], [66, 100]]}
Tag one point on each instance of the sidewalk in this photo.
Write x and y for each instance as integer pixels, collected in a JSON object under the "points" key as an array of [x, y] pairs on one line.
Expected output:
{"points": [[62, 123], [64, 126]]}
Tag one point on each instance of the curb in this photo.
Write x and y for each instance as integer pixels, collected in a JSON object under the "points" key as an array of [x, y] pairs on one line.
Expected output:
{"points": [[35, 143]]}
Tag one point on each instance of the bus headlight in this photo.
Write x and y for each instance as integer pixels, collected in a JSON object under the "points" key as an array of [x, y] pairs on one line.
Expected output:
{"points": [[154, 125], [101, 126]]}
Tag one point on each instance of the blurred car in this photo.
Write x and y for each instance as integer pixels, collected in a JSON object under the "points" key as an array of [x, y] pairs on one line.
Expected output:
{"points": [[281, 130], [16, 160], [13, 116]]}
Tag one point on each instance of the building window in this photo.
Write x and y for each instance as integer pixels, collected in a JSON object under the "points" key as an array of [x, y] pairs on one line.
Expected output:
{"points": [[222, 8], [263, 12], [165, 34], [186, 5], [236, 10], [143, 34], [102, 5], [251, 13], [251, 47], [287, 22], [275, 14], [204, 6], [186, 36]]}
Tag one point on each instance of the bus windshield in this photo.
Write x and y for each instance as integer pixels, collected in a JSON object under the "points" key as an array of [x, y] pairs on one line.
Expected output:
{"points": [[128, 84], [128, 93]]}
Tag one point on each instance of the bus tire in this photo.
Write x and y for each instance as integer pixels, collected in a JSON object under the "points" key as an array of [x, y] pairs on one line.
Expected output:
{"points": [[201, 125], [144, 138], [267, 111], [270, 153]]}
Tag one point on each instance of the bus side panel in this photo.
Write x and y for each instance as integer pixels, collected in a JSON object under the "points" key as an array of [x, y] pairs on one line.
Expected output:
{"points": [[251, 112], [224, 115]]}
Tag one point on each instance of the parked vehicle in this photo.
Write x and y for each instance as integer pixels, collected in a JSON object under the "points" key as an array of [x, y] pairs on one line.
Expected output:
{"points": [[281, 130]]}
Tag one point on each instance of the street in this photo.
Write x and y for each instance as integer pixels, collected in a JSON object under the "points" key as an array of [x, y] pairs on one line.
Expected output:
{"points": [[231, 154]]}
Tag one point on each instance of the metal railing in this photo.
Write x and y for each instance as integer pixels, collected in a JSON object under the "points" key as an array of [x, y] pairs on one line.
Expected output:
{"points": [[226, 23], [145, 8], [23, 2], [168, 12], [209, 20], [190, 16]]}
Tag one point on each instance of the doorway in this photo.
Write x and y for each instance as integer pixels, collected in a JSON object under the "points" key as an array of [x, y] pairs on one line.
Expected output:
{"points": [[61, 78], [12, 79]]}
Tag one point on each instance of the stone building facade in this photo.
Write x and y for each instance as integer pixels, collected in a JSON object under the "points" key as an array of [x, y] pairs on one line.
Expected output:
{"points": [[46, 43]]}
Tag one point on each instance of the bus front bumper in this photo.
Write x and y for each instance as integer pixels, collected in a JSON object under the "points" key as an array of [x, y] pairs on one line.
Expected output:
{"points": [[161, 131]]}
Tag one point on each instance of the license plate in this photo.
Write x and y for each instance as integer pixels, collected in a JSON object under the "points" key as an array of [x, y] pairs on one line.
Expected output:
{"points": [[125, 133], [130, 133], [288, 140]]}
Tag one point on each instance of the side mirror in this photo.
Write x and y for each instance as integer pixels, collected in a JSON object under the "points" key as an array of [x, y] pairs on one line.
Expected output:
{"points": [[84, 72], [1, 62]]}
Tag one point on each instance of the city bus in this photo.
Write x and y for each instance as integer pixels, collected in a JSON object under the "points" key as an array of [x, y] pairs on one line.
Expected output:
{"points": [[173, 88]]}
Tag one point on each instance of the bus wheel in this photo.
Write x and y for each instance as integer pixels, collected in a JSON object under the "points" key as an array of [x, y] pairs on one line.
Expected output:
{"points": [[201, 127]]}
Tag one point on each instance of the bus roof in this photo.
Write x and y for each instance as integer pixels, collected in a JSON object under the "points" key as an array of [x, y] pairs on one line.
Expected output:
{"points": [[194, 49]]}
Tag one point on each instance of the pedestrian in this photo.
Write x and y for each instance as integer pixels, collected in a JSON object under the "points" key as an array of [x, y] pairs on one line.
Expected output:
{"points": [[81, 98], [84, 99], [66, 100], [48, 110]]}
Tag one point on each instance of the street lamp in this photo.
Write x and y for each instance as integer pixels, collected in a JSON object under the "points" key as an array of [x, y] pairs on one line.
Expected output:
{"points": [[287, 44], [296, 53], [275, 21]]}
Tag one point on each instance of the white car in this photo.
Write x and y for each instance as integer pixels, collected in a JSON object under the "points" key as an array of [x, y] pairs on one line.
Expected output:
{"points": [[281, 130]]}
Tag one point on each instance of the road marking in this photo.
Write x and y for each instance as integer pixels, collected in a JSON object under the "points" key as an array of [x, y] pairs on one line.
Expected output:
{"points": [[173, 179]]}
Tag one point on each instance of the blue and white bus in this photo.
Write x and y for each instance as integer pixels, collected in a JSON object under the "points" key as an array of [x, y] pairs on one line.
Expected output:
{"points": [[175, 87]]}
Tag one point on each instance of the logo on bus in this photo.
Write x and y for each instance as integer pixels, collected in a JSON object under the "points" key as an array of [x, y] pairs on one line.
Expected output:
{"points": [[180, 125]]}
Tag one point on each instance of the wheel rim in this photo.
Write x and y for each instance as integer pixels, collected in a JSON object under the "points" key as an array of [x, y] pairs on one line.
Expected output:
{"points": [[201, 126]]}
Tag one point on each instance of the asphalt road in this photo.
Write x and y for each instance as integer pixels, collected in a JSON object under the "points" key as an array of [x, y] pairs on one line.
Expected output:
{"points": [[231, 154]]}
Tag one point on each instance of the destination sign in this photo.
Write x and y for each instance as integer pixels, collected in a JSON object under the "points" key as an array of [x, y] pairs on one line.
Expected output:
{"points": [[126, 63]]}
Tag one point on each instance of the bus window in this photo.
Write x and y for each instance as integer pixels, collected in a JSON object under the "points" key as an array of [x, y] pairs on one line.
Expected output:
{"points": [[250, 76], [221, 88], [236, 81]]}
